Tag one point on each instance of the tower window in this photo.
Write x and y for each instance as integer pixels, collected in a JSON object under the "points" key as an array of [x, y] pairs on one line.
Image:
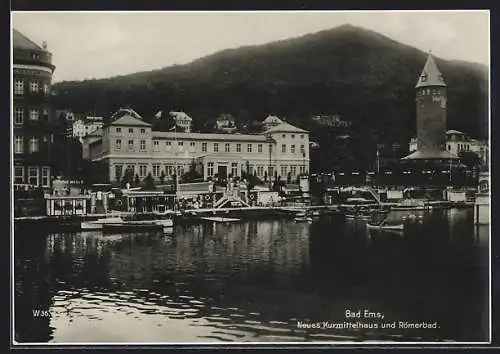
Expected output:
{"points": [[33, 144], [19, 87], [34, 86], [34, 114], [18, 174], [19, 146], [19, 115]]}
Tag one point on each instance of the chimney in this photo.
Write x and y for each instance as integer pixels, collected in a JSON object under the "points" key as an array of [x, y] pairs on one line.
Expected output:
{"points": [[44, 45]]}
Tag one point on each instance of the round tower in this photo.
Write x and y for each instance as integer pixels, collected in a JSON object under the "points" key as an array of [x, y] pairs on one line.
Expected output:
{"points": [[431, 110]]}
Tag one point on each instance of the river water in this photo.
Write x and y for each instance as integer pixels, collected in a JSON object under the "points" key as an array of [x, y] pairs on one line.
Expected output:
{"points": [[258, 281]]}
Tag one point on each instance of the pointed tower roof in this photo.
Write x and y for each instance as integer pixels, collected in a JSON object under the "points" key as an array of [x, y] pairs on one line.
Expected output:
{"points": [[20, 41], [430, 76]]}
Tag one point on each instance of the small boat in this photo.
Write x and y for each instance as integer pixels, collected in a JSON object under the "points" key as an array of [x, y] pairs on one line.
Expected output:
{"points": [[139, 225], [358, 216], [164, 222], [385, 227], [316, 213], [303, 219], [220, 219], [98, 224], [405, 208]]}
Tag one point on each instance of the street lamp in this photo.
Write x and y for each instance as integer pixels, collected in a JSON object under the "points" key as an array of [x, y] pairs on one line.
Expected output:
{"points": [[270, 141]]}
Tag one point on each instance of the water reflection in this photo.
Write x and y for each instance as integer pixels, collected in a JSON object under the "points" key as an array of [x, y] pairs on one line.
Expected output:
{"points": [[253, 281]]}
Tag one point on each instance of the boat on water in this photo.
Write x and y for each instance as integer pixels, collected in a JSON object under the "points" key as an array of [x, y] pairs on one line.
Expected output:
{"points": [[302, 217], [166, 225], [385, 227], [358, 216], [98, 224], [219, 219], [409, 207], [389, 222]]}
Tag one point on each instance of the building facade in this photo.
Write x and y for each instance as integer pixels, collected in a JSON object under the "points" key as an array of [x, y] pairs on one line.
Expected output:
{"points": [[130, 143], [33, 133]]}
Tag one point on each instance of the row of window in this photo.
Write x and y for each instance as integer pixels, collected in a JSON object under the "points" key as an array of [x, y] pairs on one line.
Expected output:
{"points": [[428, 91], [34, 144], [460, 147], [143, 131], [34, 87], [169, 170], [130, 145], [34, 114], [131, 130], [292, 136], [33, 175], [204, 146], [259, 170]]}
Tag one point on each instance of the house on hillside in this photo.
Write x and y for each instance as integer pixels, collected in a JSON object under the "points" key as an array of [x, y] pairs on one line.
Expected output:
{"points": [[182, 120], [331, 121], [82, 127], [226, 123]]}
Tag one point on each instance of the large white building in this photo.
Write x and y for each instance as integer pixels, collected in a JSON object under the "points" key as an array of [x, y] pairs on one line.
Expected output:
{"points": [[457, 142], [129, 142]]}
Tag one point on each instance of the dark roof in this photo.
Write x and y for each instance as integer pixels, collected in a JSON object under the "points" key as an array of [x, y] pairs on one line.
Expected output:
{"points": [[20, 41], [431, 76]]}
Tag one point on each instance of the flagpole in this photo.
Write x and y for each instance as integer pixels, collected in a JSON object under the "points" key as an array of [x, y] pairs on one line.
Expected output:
{"points": [[176, 146], [450, 172]]}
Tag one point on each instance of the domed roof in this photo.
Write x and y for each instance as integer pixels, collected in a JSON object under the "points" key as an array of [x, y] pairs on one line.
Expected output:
{"points": [[20, 41]]}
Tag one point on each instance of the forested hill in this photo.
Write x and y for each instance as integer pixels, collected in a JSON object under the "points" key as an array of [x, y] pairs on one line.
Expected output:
{"points": [[358, 74]]}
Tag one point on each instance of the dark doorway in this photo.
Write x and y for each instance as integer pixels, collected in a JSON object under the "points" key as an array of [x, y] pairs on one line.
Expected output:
{"points": [[222, 172]]}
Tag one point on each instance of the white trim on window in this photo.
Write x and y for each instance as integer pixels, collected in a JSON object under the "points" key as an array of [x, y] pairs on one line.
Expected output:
{"points": [[45, 176], [19, 144], [33, 175], [19, 87], [34, 86], [19, 177], [19, 115], [34, 144], [34, 114]]}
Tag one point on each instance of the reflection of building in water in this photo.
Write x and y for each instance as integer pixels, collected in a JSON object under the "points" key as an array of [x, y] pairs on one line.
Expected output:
{"points": [[277, 246], [242, 246]]}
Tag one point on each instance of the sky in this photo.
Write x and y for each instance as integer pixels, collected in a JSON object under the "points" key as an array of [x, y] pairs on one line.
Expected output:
{"points": [[99, 44]]}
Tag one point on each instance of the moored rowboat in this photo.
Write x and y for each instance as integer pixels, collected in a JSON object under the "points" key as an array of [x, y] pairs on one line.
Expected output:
{"points": [[394, 227]]}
